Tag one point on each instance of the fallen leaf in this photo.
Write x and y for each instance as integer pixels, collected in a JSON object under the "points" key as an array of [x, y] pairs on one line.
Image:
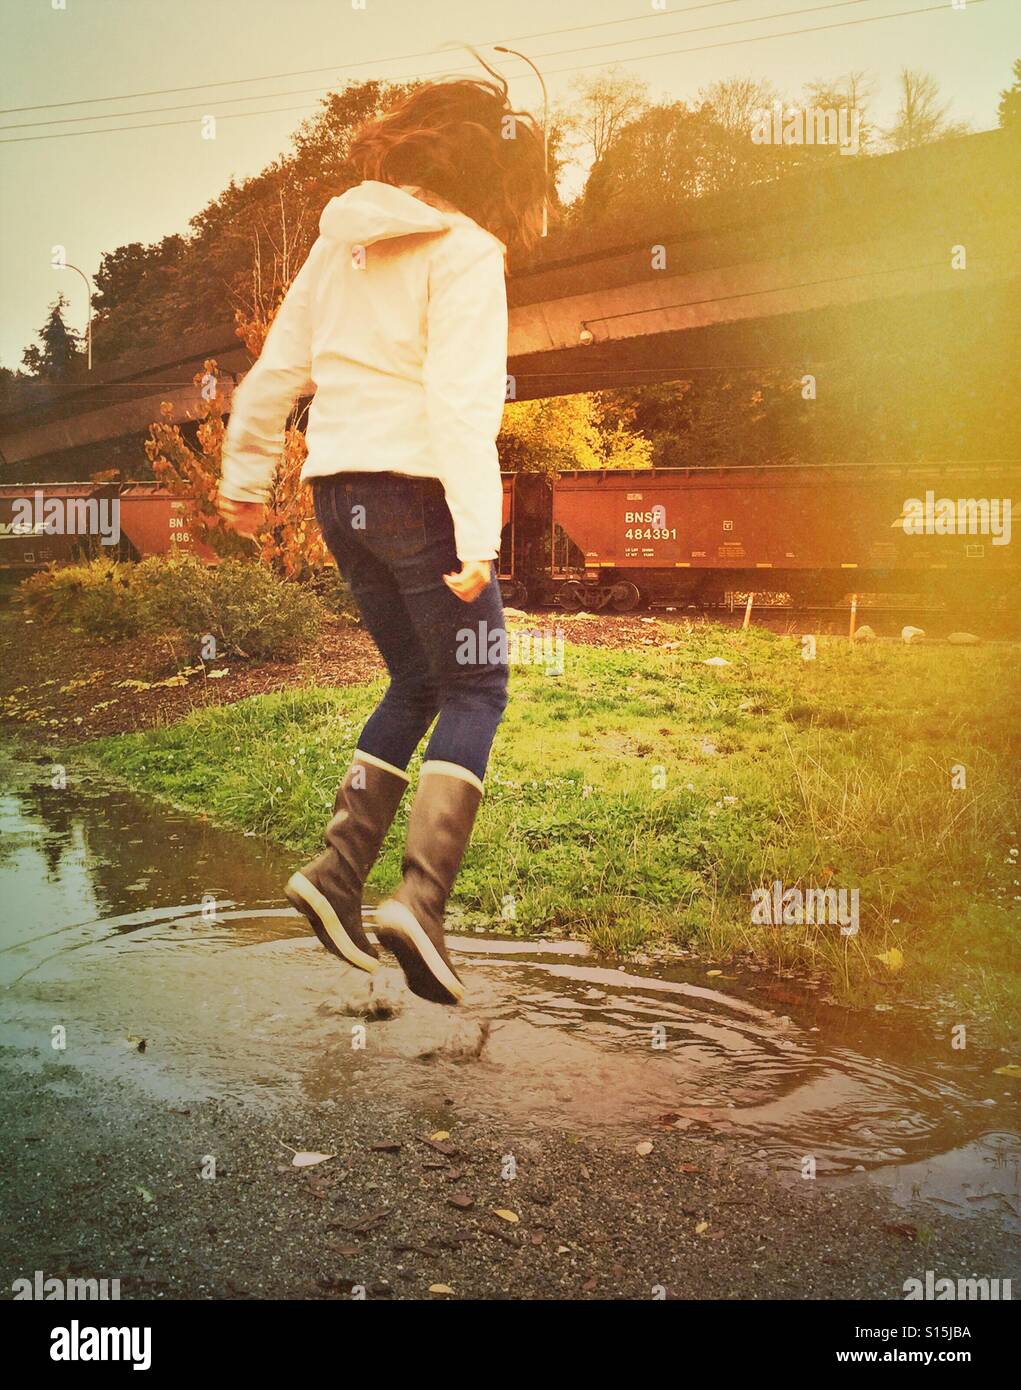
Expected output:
{"points": [[439, 1136], [701, 1228], [711, 973], [690, 1168], [893, 959], [461, 1200], [1012, 1069], [644, 1148], [506, 1215], [440, 1288], [308, 1160]]}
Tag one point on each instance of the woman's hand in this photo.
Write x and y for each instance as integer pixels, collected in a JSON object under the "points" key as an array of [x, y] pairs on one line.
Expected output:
{"points": [[473, 578], [246, 518]]}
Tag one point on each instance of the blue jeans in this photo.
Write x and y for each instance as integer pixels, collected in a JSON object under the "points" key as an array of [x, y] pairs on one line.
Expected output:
{"points": [[393, 540]]}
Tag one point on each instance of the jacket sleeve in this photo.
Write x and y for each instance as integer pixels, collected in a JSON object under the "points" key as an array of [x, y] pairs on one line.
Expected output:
{"points": [[466, 385], [254, 440]]}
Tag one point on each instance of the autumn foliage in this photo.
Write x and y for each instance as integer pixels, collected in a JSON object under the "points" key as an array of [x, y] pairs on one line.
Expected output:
{"points": [[291, 544]]}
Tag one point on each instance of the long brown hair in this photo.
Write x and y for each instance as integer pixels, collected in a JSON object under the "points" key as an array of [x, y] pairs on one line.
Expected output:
{"points": [[462, 140]]}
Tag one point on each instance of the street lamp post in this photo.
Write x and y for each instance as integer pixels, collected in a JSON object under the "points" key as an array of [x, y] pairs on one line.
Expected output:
{"points": [[545, 131], [88, 285]]}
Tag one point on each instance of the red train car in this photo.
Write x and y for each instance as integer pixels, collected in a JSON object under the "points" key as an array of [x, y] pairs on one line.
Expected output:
{"points": [[26, 542], [620, 538], [155, 523], [58, 523]]}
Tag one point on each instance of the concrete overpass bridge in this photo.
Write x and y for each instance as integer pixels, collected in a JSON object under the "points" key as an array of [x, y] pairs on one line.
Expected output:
{"points": [[861, 255]]}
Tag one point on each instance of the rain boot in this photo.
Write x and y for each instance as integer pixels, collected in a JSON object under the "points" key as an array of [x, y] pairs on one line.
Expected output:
{"points": [[410, 922], [328, 891]]}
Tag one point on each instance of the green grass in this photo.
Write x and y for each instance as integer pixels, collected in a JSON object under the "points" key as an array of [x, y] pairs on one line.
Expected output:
{"points": [[638, 798]]}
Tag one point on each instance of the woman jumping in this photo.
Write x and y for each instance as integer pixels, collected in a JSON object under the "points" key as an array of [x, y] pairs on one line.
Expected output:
{"points": [[397, 322]]}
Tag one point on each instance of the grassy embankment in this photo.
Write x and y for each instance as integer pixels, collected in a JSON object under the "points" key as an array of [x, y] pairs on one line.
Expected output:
{"points": [[834, 772]]}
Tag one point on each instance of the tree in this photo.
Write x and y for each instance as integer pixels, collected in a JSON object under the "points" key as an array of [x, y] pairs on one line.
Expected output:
{"points": [[717, 420], [736, 102], [671, 153], [600, 107], [853, 91], [53, 360], [153, 294], [921, 118], [139, 292], [562, 432], [9, 385], [1009, 108], [291, 544]]}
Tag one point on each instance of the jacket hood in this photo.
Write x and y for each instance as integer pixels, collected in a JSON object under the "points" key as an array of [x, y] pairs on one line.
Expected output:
{"points": [[372, 212]]}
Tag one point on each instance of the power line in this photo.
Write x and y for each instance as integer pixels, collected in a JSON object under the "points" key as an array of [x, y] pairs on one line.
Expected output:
{"points": [[703, 28], [304, 91], [635, 58], [761, 38], [153, 125], [366, 62], [159, 110]]}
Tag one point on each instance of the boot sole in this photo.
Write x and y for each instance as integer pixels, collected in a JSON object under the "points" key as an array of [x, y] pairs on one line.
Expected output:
{"points": [[313, 905], [425, 970]]}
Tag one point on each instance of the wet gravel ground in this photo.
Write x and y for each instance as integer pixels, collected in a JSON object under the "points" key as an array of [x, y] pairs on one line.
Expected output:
{"points": [[106, 1183]]}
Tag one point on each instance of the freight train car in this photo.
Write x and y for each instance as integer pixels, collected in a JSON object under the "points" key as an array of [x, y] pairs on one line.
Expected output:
{"points": [[155, 523], [523, 563], [620, 539], [57, 523], [26, 541]]}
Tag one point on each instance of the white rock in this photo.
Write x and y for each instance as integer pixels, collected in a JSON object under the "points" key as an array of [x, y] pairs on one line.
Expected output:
{"points": [[865, 633], [963, 639], [911, 634]]}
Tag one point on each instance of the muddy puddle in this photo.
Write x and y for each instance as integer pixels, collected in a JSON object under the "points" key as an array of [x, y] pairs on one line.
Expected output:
{"points": [[159, 945]]}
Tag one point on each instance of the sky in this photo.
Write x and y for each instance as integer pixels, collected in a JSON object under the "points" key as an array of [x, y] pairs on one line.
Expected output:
{"points": [[82, 73]]}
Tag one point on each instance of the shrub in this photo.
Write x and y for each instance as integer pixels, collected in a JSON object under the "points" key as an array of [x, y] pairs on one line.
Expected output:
{"points": [[98, 597], [335, 594], [248, 609], [256, 614], [175, 594]]}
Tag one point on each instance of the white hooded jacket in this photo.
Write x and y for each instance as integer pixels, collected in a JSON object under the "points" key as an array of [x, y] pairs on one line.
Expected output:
{"points": [[397, 322]]}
